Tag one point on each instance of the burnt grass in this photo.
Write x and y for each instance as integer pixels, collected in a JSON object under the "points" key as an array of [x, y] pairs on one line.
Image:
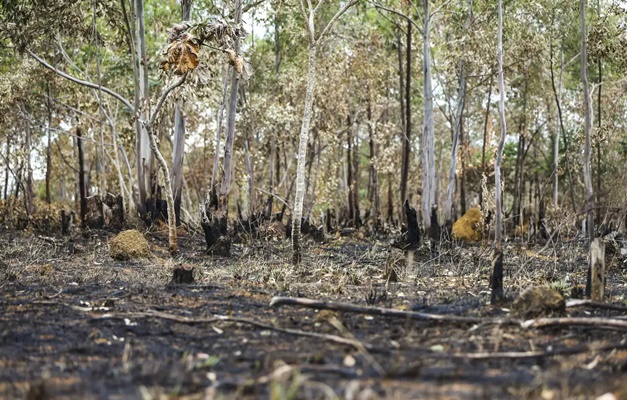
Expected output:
{"points": [[76, 324]]}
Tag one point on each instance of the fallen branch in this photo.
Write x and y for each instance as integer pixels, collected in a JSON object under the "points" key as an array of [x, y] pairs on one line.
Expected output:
{"points": [[594, 304], [222, 318], [380, 311], [596, 322], [517, 355]]}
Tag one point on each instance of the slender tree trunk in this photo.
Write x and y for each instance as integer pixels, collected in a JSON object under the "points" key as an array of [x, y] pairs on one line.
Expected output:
{"points": [[252, 203], [349, 169], [49, 146], [302, 149], [428, 150], [587, 169], [407, 125], [461, 96], [496, 280], [81, 177], [150, 129], [558, 100], [462, 177], [218, 136], [178, 150], [520, 161], [555, 155], [271, 162], [485, 135], [373, 193], [142, 144], [6, 170], [225, 185], [101, 167], [29, 171], [599, 172], [178, 141]]}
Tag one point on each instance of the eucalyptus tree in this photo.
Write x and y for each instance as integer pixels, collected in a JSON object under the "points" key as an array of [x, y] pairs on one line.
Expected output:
{"points": [[179, 135], [308, 12], [457, 123], [496, 280]]}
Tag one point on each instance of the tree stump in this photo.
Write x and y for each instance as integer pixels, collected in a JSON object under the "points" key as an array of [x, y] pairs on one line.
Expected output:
{"points": [[183, 275], [94, 217]]}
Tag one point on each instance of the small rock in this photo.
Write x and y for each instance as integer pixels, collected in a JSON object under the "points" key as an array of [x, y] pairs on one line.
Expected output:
{"points": [[539, 301], [128, 245]]}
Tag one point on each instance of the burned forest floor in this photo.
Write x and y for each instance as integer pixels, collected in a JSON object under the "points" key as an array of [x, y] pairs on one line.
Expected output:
{"points": [[76, 324]]}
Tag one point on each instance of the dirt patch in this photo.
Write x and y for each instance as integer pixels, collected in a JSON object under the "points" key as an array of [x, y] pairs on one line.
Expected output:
{"points": [[86, 326]]}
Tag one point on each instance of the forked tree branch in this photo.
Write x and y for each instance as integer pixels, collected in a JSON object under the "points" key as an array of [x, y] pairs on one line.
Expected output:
{"points": [[80, 81]]}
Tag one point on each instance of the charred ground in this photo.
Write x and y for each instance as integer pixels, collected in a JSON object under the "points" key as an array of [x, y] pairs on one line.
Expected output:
{"points": [[77, 324]]}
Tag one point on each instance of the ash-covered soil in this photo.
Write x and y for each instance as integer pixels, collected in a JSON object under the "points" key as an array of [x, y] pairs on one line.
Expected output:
{"points": [[75, 324]]}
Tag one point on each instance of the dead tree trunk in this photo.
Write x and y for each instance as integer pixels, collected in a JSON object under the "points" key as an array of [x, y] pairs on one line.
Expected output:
{"points": [[81, 177]]}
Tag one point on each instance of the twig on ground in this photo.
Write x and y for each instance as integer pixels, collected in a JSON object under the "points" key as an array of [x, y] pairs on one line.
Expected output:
{"points": [[530, 354], [222, 318], [597, 322], [594, 304], [384, 312]]}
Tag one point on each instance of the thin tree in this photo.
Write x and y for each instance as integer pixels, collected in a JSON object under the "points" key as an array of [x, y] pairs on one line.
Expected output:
{"points": [[179, 136], [461, 96], [587, 169], [496, 280], [309, 14]]}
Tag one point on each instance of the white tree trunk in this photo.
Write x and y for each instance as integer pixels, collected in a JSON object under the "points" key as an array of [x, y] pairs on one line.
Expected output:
{"points": [[302, 151], [587, 169], [143, 153], [428, 150], [461, 97], [496, 281], [499, 154]]}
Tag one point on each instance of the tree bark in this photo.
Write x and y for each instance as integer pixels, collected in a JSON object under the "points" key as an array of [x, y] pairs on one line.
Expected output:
{"points": [[373, 193], [302, 149], [178, 141], [225, 185], [149, 127], [6, 170], [587, 169], [558, 100], [461, 96], [407, 125], [496, 280], [81, 177], [428, 150], [48, 147], [218, 136], [142, 143], [520, 161], [485, 135]]}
